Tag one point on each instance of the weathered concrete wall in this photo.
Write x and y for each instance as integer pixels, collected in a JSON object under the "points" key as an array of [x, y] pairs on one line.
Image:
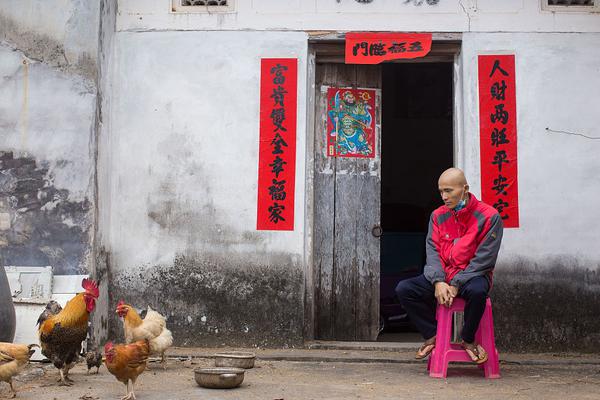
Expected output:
{"points": [[351, 15], [547, 305], [100, 268], [220, 299], [180, 204], [47, 108], [180, 200], [547, 280], [60, 33]]}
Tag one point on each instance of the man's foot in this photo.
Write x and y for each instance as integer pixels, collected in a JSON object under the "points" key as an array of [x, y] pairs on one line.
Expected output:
{"points": [[426, 348], [475, 351]]}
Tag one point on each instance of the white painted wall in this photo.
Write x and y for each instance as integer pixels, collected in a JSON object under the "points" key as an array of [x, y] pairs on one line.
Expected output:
{"points": [[48, 114], [72, 23], [184, 146], [347, 15], [48, 51], [558, 84]]}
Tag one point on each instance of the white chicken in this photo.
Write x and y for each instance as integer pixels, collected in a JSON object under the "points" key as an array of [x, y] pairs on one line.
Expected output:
{"points": [[153, 327]]}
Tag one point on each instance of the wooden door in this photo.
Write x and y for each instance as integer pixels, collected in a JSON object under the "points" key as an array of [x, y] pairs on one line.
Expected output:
{"points": [[347, 217]]}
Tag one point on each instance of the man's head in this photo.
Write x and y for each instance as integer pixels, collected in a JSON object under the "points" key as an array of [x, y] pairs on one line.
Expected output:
{"points": [[453, 187]]}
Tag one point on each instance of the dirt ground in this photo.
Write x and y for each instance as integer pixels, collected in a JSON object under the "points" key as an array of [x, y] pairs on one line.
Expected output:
{"points": [[288, 380]]}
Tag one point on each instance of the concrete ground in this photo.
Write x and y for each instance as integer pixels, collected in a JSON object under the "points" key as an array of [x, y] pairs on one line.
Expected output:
{"points": [[330, 374]]}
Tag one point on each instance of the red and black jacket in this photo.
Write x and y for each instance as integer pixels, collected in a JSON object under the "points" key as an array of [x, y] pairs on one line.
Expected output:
{"points": [[463, 244]]}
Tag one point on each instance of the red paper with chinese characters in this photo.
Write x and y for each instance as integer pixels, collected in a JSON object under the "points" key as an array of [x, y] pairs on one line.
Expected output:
{"points": [[498, 136], [373, 48], [277, 146]]}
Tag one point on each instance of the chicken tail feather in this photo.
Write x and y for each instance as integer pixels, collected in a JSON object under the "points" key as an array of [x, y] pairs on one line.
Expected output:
{"points": [[162, 342]]}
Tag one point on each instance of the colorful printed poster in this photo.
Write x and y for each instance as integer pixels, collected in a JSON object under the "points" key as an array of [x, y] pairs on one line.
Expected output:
{"points": [[373, 48], [350, 122], [498, 136], [277, 144]]}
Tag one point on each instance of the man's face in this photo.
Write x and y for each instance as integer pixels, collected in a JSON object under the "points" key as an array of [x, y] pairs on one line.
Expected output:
{"points": [[452, 193]]}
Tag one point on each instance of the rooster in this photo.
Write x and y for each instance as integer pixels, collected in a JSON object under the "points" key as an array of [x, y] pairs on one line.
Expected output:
{"points": [[153, 327], [61, 333], [126, 362], [12, 359]]}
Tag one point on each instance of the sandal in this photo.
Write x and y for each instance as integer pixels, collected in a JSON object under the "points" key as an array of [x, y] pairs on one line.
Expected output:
{"points": [[425, 349], [475, 351]]}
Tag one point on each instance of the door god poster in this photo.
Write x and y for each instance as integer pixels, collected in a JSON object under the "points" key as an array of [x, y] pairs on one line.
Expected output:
{"points": [[350, 122]]}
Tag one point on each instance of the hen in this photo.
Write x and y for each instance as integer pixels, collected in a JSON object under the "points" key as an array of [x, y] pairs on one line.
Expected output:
{"points": [[153, 327], [62, 332], [12, 359], [93, 358], [126, 362]]}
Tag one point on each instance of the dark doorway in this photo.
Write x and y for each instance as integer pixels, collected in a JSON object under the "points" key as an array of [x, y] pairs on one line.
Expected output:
{"points": [[417, 145]]}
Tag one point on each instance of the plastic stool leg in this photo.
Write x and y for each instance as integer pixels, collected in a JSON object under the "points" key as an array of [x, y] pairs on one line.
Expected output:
{"points": [[491, 367]]}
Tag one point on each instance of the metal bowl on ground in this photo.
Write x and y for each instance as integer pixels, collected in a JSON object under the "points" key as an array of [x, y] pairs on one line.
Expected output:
{"points": [[236, 359], [219, 378]]}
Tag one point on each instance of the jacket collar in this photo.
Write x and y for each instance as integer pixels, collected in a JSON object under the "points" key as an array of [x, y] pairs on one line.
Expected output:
{"points": [[471, 206]]}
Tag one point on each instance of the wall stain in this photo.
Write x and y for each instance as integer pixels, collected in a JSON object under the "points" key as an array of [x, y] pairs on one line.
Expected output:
{"points": [[25, 105], [547, 307], [216, 301], [44, 49], [44, 227]]}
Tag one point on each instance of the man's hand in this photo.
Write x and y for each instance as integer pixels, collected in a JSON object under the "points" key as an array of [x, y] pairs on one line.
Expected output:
{"points": [[445, 293], [442, 292], [453, 293]]}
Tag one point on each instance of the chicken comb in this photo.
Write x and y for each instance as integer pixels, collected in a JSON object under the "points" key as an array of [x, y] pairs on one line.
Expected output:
{"points": [[120, 303], [90, 287], [108, 346]]}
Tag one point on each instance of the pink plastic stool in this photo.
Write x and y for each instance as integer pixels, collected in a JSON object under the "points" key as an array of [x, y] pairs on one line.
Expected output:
{"points": [[445, 351]]}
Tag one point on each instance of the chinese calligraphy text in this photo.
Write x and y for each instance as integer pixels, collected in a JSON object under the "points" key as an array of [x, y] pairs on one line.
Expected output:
{"points": [[277, 144], [373, 48], [498, 136]]}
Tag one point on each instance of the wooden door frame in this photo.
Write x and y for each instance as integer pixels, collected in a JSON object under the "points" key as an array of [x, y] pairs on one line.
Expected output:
{"points": [[327, 47]]}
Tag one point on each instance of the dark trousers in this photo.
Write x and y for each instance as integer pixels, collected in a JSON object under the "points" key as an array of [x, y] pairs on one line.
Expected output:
{"points": [[417, 296]]}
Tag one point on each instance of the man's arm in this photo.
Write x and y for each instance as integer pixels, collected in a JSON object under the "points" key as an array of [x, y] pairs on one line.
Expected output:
{"points": [[485, 256], [433, 271]]}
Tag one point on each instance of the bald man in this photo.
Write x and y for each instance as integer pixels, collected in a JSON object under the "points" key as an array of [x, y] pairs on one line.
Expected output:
{"points": [[462, 246]]}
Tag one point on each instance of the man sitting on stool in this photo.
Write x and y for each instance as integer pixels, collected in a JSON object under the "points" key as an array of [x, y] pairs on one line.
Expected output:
{"points": [[462, 246]]}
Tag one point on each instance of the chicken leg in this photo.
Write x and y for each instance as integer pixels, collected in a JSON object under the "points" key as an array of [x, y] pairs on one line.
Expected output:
{"points": [[132, 394], [64, 379], [14, 392], [126, 397], [163, 361]]}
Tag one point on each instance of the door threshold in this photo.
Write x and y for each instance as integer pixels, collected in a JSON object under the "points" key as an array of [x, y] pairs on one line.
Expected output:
{"points": [[372, 346]]}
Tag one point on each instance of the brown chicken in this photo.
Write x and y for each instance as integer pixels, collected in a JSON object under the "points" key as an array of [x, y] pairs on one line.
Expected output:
{"points": [[153, 327], [13, 358], [61, 333], [126, 362]]}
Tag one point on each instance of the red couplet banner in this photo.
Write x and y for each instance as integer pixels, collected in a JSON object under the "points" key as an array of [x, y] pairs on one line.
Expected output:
{"points": [[373, 48], [498, 136], [277, 147]]}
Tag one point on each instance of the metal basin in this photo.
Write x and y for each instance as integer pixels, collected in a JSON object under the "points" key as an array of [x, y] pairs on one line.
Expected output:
{"points": [[236, 359], [219, 378]]}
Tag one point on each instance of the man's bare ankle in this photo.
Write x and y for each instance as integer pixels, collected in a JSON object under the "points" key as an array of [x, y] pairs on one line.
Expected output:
{"points": [[431, 340]]}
